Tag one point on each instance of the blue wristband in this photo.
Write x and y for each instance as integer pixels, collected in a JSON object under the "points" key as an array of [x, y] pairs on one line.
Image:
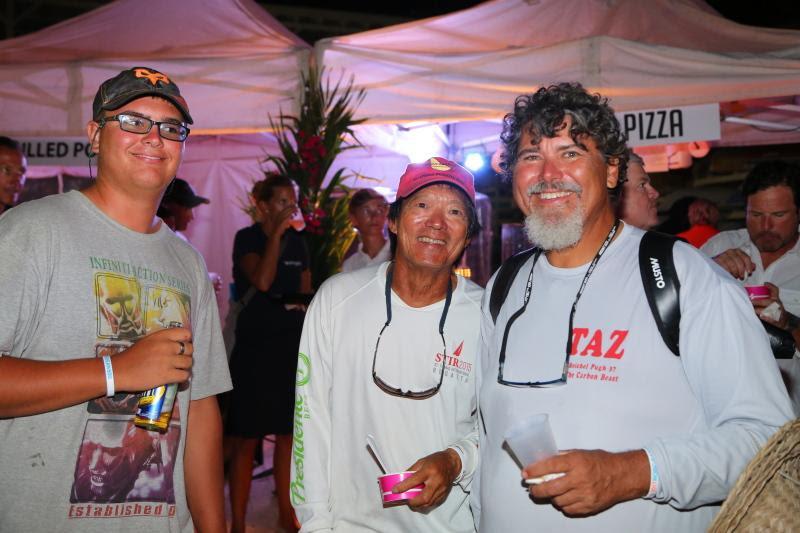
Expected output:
{"points": [[109, 375]]}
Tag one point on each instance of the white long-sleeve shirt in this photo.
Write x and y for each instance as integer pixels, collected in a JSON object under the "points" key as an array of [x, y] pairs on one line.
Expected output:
{"points": [[784, 273], [360, 259], [702, 416], [334, 479]]}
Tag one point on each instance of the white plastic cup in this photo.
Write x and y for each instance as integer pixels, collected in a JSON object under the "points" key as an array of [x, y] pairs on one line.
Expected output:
{"points": [[531, 440]]}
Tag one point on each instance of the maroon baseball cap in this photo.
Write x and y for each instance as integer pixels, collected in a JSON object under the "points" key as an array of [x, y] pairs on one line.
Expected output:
{"points": [[135, 83], [435, 170]]}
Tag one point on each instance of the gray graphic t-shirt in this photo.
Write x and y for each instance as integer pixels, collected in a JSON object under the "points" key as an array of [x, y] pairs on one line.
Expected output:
{"points": [[77, 284]]}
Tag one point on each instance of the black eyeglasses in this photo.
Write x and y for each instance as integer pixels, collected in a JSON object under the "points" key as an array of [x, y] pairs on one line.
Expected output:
{"points": [[395, 391], [135, 124], [562, 380]]}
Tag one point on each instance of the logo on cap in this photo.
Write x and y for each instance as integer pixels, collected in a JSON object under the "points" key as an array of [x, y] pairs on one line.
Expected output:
{"points": [[154, 77], [436, 165]]}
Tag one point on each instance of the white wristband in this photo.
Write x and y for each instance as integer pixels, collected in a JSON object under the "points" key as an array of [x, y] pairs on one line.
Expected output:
{"points": [[461, 455], [109, 375], [655, 481]]}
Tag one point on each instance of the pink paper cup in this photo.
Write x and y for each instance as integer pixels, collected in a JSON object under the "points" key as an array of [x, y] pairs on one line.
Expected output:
{"points": [[387, 483], [757, 292]]}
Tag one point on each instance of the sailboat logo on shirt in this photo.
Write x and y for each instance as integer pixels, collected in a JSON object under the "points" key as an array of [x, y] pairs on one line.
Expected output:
{"points": [[455, 366], [457, 351]]}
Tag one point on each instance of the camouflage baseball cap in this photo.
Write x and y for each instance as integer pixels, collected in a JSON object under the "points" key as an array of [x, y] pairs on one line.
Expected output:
{"points": [[135, 83]]}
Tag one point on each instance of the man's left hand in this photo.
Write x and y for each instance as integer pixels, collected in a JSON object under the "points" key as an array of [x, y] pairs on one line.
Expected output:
{"points": [[437, 472], [593, 480], [763, 303]]}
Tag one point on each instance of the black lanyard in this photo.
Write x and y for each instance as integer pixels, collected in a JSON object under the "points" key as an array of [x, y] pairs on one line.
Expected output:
{"points": [[396, 391], [526, 299], [388, 293]]}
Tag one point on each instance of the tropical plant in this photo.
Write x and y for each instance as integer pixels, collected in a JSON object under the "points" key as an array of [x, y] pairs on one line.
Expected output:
{"points": [[309, 144]]}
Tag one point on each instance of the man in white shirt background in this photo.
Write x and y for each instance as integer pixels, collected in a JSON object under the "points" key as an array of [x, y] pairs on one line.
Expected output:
{"points": [[767, 252], [368, 210], [638, 202]]}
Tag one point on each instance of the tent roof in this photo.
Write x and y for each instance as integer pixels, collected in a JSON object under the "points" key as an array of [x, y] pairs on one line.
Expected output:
{"points": [[470, 65], [168, 30], [234, 62]]}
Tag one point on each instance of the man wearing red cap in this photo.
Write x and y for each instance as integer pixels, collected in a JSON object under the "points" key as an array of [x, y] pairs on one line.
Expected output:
{"points": [[389, 351], [99, 296]]}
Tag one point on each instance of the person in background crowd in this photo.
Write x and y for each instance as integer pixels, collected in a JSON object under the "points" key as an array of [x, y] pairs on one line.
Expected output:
{"points": [[677, 216], [176, 210], [650, 441], [177, 205], [272, 261], [767, 252], [389, 351], [368, 210], [703, 217], [638, 202], [12, 172], [93, 283]]}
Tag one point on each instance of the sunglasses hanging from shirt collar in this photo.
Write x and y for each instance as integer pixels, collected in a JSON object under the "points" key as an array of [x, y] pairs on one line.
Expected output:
{"points": [[396, 391], [562, 379]]}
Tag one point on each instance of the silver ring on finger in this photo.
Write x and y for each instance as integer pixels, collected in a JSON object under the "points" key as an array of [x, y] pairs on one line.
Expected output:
{"points": [[183, 347]]}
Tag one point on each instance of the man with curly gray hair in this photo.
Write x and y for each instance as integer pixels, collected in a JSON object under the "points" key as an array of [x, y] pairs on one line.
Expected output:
{"points": [[649, 441]]}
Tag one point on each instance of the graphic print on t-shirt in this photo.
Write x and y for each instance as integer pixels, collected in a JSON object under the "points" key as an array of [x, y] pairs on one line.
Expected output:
{"points": [[596, 354], [456, 367], [120, 463], [121, 469]]}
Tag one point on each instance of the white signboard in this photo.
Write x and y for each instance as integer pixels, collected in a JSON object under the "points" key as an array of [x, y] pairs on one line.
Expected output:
{"points": [[56, 152], [671, 125]]}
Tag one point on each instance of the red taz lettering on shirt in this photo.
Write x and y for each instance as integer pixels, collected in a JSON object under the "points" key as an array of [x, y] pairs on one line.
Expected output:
{"points": [[597, 343]]}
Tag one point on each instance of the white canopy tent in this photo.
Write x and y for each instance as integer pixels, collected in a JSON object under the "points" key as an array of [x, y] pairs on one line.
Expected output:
{"points": [[470, 65], [235, 65]]}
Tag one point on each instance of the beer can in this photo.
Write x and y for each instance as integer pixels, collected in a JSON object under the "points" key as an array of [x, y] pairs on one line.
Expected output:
{"points": [[154, 409]]}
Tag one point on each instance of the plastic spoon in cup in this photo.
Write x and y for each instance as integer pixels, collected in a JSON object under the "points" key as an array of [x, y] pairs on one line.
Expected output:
{"points": [[373, 448]]}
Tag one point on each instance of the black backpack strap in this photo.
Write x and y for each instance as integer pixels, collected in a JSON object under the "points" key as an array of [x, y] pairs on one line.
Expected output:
{"points": [[661, 285], [504, 279], [781, 341]]}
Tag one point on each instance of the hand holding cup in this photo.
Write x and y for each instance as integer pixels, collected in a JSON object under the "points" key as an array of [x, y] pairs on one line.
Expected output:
{"points": [[531, 440]]}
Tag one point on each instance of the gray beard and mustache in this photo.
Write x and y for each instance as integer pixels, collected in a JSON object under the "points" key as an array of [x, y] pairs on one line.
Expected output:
{"points": [[552, 230]]}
